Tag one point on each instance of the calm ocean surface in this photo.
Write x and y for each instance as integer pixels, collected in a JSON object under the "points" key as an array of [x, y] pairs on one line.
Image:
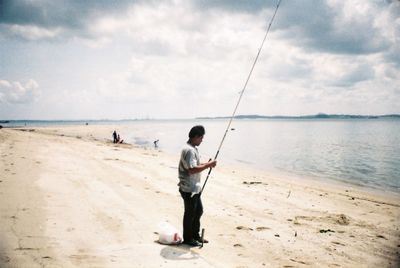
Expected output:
{"points": [[359, 151], [362, 152]]}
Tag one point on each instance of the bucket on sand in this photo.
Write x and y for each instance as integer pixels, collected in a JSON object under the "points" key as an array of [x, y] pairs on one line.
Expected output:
{"points": [[168, 234]]}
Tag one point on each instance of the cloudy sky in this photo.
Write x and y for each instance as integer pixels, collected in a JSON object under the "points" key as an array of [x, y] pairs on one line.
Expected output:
{"points": [[100, 59]]}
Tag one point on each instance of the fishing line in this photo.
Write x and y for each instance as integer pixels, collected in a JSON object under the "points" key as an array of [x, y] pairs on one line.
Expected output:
{"points": [[241, 93]]}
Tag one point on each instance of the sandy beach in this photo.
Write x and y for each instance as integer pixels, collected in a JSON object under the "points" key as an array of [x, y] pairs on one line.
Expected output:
{"points": [[69, 197]]}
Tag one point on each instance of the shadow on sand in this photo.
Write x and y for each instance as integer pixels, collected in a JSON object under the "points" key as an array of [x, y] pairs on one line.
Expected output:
{"points": [[178, 252]]}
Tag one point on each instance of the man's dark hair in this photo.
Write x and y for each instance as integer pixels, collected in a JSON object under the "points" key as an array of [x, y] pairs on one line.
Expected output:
{"points": [[197, 131]]}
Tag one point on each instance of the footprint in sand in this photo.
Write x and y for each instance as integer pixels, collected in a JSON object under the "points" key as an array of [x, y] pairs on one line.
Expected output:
{"points": [[381, 236], [340, 219], [252, 182], [6, 259], [299, 261], [262, 228], [338, 243], [244, 228]]}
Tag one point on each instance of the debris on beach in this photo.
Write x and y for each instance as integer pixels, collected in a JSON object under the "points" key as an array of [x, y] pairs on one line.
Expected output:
{"points": [[252, 182], [326, 231], [262, 228], [343, 219]]}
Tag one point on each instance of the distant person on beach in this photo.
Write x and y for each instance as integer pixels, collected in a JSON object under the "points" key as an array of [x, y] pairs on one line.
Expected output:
{"points": [[119, 139], [156, 143], [190, 170], [114, 136]]}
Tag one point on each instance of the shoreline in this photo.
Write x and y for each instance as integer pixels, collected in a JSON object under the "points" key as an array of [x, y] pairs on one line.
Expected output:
{"points": [[379, 190], [95, 203], [338, 185]]}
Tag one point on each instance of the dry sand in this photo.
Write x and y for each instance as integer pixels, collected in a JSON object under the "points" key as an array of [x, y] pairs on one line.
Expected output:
{"points": [[71, 198]]}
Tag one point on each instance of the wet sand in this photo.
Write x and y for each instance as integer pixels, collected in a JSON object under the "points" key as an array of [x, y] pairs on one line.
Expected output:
{"points": [[69, 197]]}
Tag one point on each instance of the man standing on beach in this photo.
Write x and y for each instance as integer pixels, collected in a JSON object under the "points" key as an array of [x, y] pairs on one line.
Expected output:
{"points": [[190, 170], [114, 136]]}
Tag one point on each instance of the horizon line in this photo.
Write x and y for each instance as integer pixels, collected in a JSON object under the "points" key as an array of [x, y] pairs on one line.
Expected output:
{"points": [[318, 115]]}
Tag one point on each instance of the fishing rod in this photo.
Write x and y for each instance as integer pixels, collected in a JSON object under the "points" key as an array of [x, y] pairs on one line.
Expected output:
{"points": [[241, 93]]}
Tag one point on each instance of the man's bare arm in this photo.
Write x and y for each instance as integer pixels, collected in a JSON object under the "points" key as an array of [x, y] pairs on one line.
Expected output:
{"points": [[203, 166]]}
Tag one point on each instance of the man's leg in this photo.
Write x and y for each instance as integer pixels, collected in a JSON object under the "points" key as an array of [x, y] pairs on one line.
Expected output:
{"points": [[197, 215], [188, 216]]}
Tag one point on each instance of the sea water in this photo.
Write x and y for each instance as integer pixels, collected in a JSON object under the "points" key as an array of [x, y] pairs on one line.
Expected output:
{"points": [[365, 152]]}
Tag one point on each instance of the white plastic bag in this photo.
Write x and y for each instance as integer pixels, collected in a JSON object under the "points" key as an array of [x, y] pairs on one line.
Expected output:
{"points": [[168, 234]]}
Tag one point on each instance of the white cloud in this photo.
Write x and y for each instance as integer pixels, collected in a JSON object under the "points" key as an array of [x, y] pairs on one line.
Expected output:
{"points": [[164, 57], [175, 53], [17, 93], [30, 32], [203, 57]]}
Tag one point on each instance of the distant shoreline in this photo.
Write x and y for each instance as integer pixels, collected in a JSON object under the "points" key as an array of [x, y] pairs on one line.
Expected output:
{"points": [[316, 116]]}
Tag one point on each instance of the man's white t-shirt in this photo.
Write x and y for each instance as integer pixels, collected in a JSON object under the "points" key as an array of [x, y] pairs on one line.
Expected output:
{"points": [[190, 158]]}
